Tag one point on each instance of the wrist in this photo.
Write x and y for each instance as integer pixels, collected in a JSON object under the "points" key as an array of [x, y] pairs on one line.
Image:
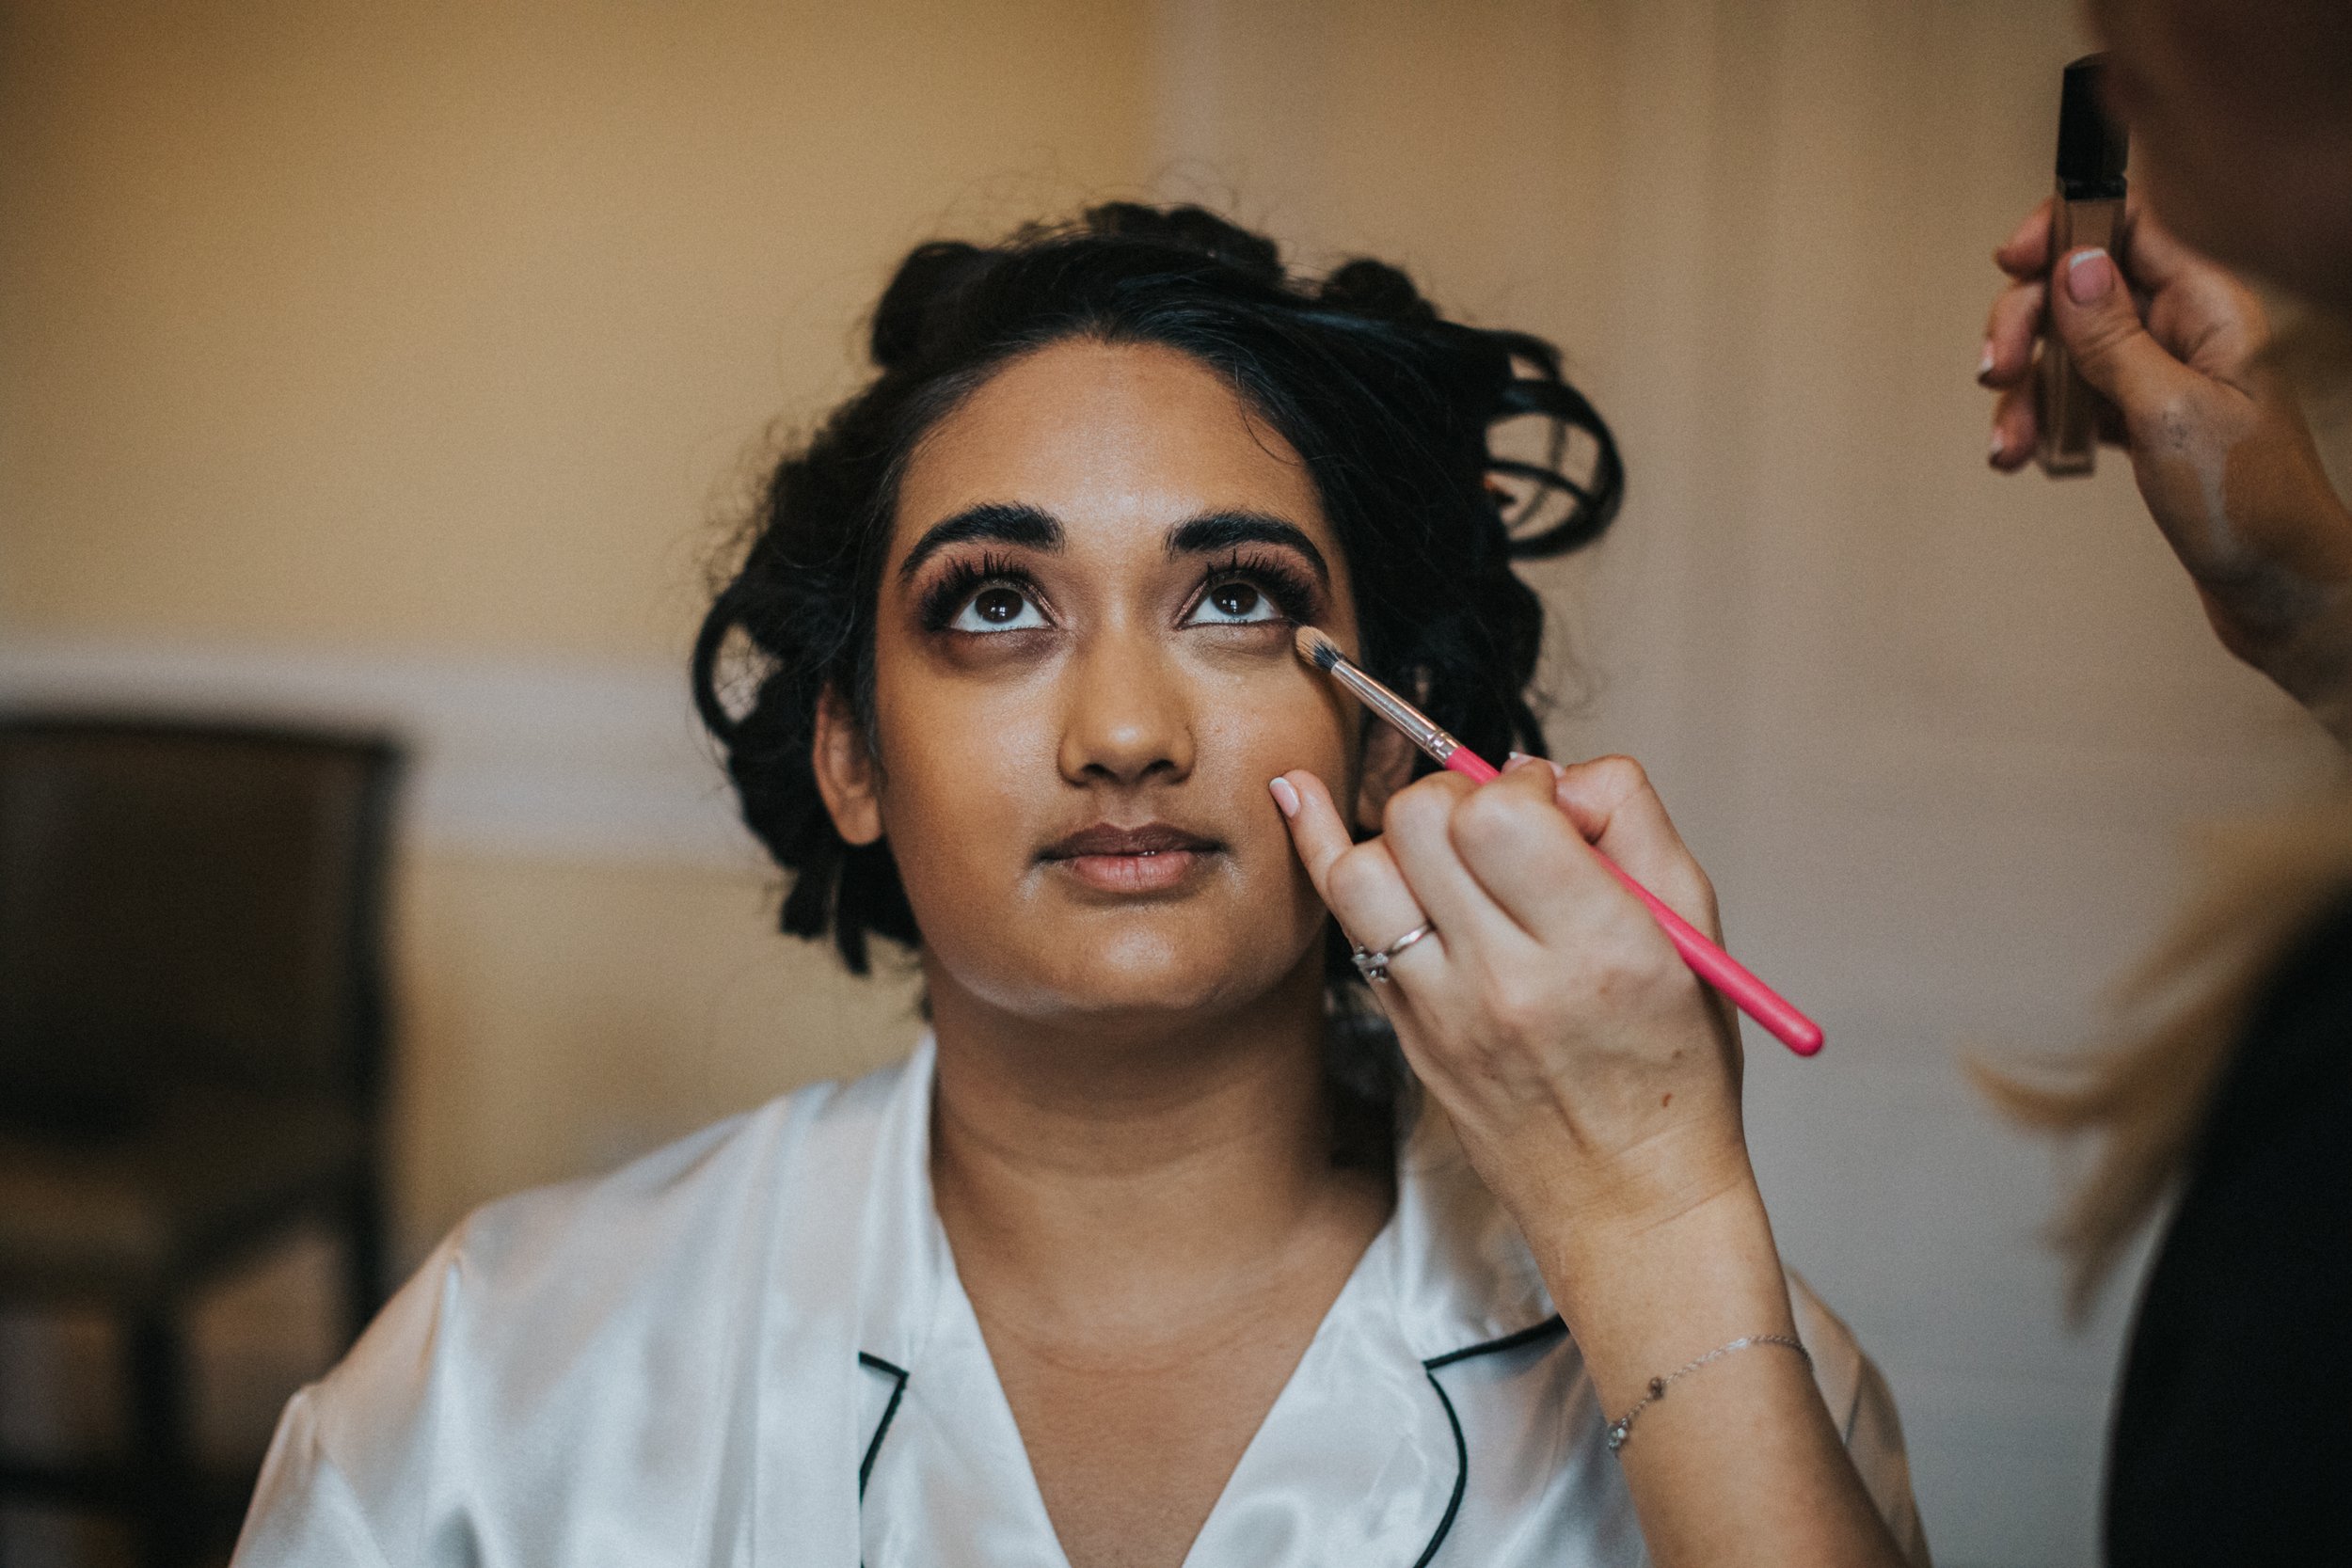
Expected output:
{"points": [[1645, 1295], [1581, 1204], [2302, 641], [2317, 670]]}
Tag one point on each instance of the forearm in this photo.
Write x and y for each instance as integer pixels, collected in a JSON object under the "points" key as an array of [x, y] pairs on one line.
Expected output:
{"points": [[1739, 1463], [2269, 542], [2307, 650]]}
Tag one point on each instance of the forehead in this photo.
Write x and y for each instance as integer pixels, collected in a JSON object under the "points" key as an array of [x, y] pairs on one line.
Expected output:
{"points": [[1116, 440]]}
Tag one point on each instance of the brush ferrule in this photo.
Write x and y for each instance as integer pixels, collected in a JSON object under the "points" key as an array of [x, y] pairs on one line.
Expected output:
{"points": [[1415, 724]]}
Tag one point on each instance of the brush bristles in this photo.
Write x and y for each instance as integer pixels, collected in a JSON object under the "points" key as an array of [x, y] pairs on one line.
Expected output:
{"points": [[1317, 649]]}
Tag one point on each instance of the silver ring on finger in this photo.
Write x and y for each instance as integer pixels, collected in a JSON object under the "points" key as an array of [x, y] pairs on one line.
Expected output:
{"points": [[1373, 964]]}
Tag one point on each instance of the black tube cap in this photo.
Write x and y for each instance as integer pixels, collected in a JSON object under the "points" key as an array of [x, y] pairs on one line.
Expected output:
{"points": [[2092, 147]]}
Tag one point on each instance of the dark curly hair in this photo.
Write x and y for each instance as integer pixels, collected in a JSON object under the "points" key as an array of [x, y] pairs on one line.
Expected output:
{"points": [[1390, 405]]}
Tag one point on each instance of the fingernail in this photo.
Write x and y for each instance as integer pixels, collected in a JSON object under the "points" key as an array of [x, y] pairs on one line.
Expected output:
{"points": [[1518, 760], [2090, 274], [1999, 447], [1984, 361], [1284, 796]]}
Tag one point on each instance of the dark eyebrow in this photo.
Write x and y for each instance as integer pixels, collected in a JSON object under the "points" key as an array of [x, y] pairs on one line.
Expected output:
{"points": [[1002, 521], [1213, 533]]}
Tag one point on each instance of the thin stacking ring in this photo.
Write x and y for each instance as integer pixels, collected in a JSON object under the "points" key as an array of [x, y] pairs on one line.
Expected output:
{"points": [[1372, 964]]}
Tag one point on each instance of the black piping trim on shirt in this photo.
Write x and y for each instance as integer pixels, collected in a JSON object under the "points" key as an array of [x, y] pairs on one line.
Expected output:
{"points": [[1544, 1330], [1510, 1342], [865, 1465]]}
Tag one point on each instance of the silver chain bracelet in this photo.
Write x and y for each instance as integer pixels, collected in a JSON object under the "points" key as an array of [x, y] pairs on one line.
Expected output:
{"points": [[1622, 1426]]}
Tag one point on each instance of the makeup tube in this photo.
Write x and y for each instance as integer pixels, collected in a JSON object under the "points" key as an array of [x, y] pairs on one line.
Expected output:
{"points": [[2091, 150]]}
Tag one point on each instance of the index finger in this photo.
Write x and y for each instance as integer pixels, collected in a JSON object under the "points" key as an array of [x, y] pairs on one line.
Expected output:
{"points": [[1317, 830]]}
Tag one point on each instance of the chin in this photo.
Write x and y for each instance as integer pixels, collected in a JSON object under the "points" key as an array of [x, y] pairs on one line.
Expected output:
{"points": [[1144, 972], [1130, 969]]}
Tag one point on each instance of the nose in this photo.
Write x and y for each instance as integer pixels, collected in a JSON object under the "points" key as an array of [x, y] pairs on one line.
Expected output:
{"points": [[1127, 718]]}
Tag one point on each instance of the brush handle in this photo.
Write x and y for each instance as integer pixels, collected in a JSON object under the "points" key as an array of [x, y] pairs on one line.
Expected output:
{"points": [[1709, 962]]}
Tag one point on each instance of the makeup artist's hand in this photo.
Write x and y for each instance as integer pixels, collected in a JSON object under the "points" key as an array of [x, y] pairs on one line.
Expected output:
{"points": [[1595, 1085], [2175, 343], [1593, 1080]]}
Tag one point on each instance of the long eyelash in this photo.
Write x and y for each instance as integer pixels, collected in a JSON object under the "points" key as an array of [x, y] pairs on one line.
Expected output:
{"points": [[961, 580], [1292, 591]]}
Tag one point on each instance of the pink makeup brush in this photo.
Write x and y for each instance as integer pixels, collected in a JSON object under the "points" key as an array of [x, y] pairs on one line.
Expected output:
{"points": [[1718, 968]]}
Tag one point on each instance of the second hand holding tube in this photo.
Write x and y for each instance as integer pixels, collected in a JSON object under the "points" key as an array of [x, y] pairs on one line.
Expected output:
{"points": [[1718, 968]]}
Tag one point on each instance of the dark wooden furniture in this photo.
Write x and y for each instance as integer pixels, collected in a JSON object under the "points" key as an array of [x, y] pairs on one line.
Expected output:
{"points": [[192, 1038]]}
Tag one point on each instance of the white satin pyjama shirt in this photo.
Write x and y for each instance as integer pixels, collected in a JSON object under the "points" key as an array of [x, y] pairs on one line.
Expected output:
{"points": [[751, 1349]]}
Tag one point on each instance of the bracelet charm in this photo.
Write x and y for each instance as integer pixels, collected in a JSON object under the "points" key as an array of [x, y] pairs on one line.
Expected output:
{"points": [[1622, 1428]]}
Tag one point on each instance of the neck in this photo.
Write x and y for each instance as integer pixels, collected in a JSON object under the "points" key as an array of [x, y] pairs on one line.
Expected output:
{"points": [[1110, 1170]]}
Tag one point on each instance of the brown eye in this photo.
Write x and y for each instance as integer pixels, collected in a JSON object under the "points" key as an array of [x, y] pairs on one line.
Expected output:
{"points": [[1234, 603], [997, 607]]}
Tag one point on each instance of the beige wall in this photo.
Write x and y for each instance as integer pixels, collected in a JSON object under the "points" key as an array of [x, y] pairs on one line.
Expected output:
{"points": [[382, 325]]}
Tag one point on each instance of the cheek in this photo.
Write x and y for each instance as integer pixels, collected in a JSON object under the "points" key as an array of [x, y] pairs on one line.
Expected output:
{"points": [[1249, 738], [958, 767], [1264, 728]]}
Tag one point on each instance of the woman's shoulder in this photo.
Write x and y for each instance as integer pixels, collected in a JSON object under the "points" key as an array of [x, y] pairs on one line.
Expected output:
{"points": [[685, 1196], [689, 1205], [628, 1298]]}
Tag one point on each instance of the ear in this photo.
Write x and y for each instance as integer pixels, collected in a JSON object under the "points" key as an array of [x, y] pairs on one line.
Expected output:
{"points": [[846, 776], [1387, 768]]}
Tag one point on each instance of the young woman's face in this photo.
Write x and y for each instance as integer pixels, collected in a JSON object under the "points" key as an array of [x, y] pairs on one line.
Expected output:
{"points": [[1084, 678]]}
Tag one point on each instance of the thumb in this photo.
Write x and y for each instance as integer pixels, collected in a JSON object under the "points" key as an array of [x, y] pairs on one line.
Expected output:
{"points": [[2092, 313]]}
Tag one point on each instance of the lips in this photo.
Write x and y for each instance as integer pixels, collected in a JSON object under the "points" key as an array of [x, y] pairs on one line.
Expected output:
{"points": [[1152, 858]]}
